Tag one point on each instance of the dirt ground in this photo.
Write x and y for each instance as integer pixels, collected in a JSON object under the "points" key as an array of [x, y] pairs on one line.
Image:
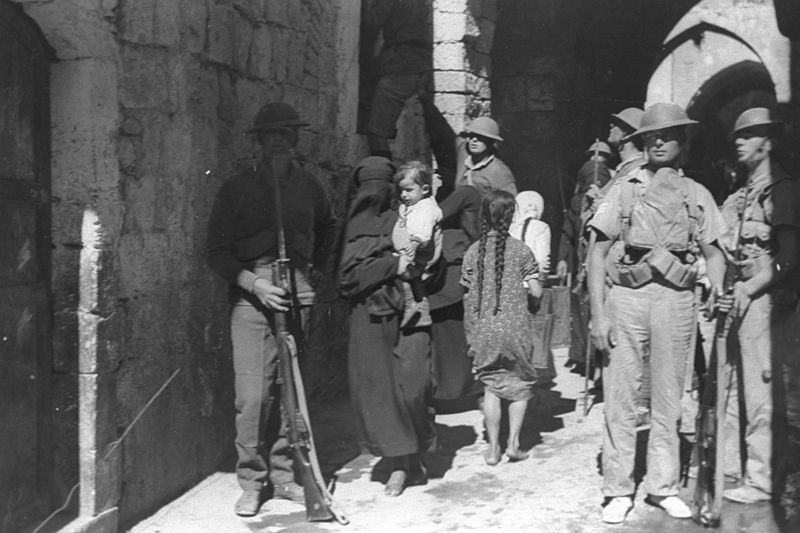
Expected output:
{"points": [[556, 490]]}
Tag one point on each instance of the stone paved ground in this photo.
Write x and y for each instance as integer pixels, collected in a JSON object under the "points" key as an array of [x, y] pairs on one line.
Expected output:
{"points": [[556, 490]]}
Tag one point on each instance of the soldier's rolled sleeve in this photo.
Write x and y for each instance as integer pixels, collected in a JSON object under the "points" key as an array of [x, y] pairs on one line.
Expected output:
{"points": [[606, 218]]}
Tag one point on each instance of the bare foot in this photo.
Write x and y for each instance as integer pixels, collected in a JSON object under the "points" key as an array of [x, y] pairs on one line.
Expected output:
{"points": [[492, 455], [515, 454], [396, 484]]}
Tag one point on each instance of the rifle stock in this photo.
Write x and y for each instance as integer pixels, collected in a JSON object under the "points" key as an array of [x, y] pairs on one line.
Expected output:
{"points": [[710, 442], [317, 506]]}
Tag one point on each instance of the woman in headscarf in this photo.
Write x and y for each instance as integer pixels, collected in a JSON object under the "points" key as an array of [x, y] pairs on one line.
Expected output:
{"points": [[528, 227], [389, 369]]}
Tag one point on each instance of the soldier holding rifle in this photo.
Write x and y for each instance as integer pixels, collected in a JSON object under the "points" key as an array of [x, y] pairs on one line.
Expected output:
{"points": [[762, 298], [243, 242], [657, 212]]}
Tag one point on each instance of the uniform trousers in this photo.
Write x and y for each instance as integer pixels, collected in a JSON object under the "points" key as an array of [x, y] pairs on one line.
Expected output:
{"points": [[752, 380], [260, 422], [660, 320]]}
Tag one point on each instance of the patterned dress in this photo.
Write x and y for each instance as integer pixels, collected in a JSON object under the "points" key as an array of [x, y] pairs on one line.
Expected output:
{"points": [[501, 345]]}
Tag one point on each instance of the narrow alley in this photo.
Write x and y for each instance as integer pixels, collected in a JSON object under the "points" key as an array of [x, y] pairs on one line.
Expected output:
{"points": [[556, 490]]}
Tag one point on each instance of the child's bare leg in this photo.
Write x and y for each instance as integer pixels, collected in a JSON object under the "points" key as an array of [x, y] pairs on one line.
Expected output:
{"points": [[516, 414], [491, 415]]}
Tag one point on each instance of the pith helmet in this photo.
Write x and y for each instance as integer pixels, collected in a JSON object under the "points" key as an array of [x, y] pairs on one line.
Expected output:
{"points": [[629, 118], [601, 148], [485, 127], [276, 115], [660, 117], [756, 116]]}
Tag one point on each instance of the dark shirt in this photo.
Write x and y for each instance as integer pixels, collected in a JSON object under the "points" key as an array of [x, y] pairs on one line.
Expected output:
{"points": [[243, 226], [407, 43]]}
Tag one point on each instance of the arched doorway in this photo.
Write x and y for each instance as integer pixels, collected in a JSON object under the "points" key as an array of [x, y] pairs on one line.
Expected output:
{"points": [[25, 309], [716, 104]]}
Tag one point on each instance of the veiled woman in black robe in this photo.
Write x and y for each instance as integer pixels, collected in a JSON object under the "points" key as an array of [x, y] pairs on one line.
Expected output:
{"points": [[389, 369]]}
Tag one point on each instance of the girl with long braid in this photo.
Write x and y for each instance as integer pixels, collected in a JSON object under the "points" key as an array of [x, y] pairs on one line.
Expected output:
{"points": [[498, 321]]}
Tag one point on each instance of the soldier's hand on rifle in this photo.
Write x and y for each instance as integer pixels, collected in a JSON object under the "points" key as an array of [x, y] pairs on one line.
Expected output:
{"points": [[561, 269], [602, 333], [741, 298], [271, 296]]}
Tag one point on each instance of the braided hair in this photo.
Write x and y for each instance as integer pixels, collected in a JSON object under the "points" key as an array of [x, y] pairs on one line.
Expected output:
{"points": [[497, 212]]}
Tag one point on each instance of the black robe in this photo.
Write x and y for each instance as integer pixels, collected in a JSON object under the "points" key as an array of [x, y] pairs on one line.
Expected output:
{"points": [[389, 370]]}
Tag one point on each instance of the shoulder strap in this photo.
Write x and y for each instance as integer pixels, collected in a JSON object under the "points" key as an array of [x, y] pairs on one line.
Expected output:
{"points": [[693, 207], [628, 192]]}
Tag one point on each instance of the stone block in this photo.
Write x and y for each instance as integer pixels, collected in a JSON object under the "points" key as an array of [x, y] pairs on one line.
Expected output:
{"points": [[450, 81], [260, 52], [74, 33], [220, 33], [168, 21], [280, 52], [297, 58], [450, 6], [242, 42], [144, 79], [276, 12], [450, 104], [449, 27], [136, 21], [449, 56], [203, 90], [194, 15]]}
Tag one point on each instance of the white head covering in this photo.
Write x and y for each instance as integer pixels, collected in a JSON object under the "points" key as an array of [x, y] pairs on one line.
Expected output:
{"points": [[529, 204]]}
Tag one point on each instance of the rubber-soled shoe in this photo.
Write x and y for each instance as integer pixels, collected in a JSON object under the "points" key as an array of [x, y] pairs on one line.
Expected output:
{"points": [[248, 503], [746, 494], [674, 506], [617, 509], [290, 491]]}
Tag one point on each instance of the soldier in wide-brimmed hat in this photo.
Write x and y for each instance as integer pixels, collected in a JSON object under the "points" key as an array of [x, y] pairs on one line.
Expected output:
{"points": [[242, 243], [478, 162], [765, 298], [660, 216]]}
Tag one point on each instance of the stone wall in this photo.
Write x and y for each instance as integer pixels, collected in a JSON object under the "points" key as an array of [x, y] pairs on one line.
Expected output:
{"points": [[149, 99]]}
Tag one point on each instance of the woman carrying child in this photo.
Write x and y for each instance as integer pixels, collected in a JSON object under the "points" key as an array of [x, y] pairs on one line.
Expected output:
{"points": [[498, 321]]}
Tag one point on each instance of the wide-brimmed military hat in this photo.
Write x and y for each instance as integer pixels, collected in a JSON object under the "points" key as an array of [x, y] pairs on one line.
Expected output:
{"points": [[276, 115], [600, 147], [757, 116], [629, 118], [660, 117], [485, 127]]}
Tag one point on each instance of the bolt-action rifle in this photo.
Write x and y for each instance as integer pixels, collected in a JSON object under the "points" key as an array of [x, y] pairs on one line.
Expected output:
{"points": [[319, 503], [710, 442]]}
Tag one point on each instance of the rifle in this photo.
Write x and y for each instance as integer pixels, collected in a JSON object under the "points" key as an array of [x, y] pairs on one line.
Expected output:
{"points": [[319, 503], [710, 442]]}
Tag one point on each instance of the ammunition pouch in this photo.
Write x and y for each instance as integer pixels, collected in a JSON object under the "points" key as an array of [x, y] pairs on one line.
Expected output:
{"points": [[657, 262]]}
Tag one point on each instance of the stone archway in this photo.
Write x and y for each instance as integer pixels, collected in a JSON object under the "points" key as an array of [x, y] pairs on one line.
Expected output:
{"points": [[716, 63]]}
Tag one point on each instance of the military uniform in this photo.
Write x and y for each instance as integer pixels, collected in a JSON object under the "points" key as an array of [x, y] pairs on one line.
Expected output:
{"points": [[657, 213], [656, 314], [242, 243], [770, 199]]}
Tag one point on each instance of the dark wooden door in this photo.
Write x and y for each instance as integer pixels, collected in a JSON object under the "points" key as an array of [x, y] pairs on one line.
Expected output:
{"points": [[25, 314]]}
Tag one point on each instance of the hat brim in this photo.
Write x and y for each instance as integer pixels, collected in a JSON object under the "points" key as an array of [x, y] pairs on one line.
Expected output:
{"points": [[775, 125], [662, 126], [277, 125], [466, 133], [619, 121]]}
